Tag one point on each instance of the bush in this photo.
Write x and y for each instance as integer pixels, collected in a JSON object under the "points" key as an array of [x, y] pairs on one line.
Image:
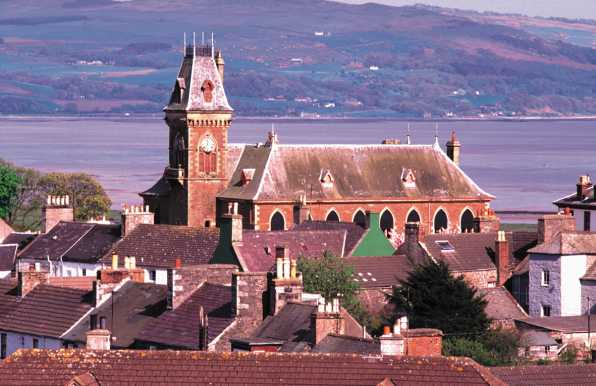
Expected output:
{"points": [[503, 345], [569, 355], [464, 347]]}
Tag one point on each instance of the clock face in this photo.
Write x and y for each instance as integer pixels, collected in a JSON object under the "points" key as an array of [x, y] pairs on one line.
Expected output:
{"points": [[208, 144]]}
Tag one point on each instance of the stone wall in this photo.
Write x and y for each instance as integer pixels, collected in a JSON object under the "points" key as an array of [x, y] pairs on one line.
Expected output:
{"points": [[188, 279], [539, 295], [479, 279], [588, 290]]}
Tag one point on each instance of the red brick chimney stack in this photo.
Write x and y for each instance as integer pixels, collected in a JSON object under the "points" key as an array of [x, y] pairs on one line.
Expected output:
{"points": [[550, 225], [133, 215], [502, 258], [56, 209], [302, 210], [27, 280], [486, 221], [583, 186], [287, 285], [327, 320]]}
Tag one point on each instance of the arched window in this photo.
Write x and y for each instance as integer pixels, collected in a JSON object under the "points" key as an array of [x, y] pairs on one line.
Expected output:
{"points": [[332, 216], [387, 221], [413, 216], [467, 221], [441, 223], [360, 219], [277, 222]]}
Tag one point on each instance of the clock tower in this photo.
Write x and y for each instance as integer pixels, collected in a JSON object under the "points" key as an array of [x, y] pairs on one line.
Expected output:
{"points": [[198, 116]]}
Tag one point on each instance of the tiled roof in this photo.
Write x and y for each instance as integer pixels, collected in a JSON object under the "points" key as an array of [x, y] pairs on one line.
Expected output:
{"points": [[134, 305], [347, 344], [572, 201], [160, 245], [379, 271], [57, 367], [291, 323], [354, 232], [73, 241], [8, 253], [500, 304], [21, 238], [581, 374], [180, 327], [8, 295], [568, 243], [471, 251], [282, 172], [47, 311], [566, 324], [257, 249]]}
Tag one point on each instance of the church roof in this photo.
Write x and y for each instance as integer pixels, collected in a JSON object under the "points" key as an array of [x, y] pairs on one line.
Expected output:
{"points": [[345, 172], [198, 86]]}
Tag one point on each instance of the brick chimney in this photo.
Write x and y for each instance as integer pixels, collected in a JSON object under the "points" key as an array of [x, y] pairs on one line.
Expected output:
{"points": [[56, 209], [502, 258], [583, 186], [393, 342], [231, 225], [453, 148], [98, 339], [551, 225], [487, 221], [327, 320], [424, 342], [115, 274], [27, 280], [301, 210], [133, 215], [249, 291], [287, 284]]}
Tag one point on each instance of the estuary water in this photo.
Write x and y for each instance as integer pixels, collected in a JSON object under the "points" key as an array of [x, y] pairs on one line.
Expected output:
{"points": [[525, 164]]}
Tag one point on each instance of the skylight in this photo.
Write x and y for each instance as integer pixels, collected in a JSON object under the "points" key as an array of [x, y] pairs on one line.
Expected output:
{"points": [[445, 246]]}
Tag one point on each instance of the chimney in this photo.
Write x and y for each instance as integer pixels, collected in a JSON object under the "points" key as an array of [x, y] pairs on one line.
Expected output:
{"points": [[203, 330], [487, 221], [412, 234], [392, 342], [287, 286], [502, 258], [391, 141], [29, 279], [248, 295], [133, 215], [583, 186], [231, 226], [219, 62], [171, 283], [301, 210], [327, 320], [56, 209], [550, 225], [453, 148], [98, 339], [424, 342], [115, 274]]}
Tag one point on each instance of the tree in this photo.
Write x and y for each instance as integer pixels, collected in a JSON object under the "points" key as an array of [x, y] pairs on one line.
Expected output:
{"points": [[87, 196], [433, 298], [332, 278], [9, 188]]}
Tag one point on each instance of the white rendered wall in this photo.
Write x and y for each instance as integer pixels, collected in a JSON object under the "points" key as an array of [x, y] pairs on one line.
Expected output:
{"points": [[161, 276], [14, 342], [572, 268]]}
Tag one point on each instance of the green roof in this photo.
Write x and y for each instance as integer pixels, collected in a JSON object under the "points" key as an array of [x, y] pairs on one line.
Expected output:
{"points": [[374, 242]]}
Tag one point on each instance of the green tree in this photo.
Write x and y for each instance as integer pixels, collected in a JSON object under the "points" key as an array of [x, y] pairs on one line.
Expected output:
{"points": [[88, 198], [10, 183], [332, 278], [433, 298]]}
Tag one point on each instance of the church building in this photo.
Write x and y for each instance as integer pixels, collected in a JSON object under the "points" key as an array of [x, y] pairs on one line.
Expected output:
{"points": [[278, 185]]}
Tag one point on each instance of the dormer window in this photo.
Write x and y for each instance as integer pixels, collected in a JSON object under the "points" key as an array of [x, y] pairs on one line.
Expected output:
{"points": [[207, 90], [408, 178], [326, 179], [246, 176]]}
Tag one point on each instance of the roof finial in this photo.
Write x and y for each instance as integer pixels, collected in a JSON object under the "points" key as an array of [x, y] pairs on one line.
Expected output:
{"points": [[212, 46], [408, 140]]}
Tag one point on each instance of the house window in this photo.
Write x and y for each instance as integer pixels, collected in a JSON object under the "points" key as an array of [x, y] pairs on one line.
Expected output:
{"points": [[102, 323], [35, 343], [545, 278], [587, 215], [152, 275], [545, 310], [22, 340], [84, 271], [2, 346]]}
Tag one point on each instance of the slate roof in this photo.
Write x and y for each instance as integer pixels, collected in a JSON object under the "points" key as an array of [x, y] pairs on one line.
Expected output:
{"points": [[590, 273], [379, 271], [8, 254], [374, 172], [572, 201], [291, 323], [180, 327], [347, 344], [134, 304], [46, 311], [568, 243], [257, 249], [581, 374], [501, 305], [472, 251], [73, 241], [190, 367], [194, 70], [159, 245], [21, 238], [8, 295], [354, 232], [565, 324]]}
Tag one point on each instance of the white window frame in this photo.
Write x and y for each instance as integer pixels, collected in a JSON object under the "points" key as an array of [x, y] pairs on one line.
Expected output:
{"points": [[545, 278]]}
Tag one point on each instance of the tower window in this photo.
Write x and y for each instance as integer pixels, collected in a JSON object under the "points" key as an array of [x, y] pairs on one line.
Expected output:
{"points": [[441, 223], [277, 222], [207, 90]]}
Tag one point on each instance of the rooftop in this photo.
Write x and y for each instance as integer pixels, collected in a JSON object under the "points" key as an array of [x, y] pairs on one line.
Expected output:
{"points": [[178, 367], [568, 243], [581, 374], [347, 344], [565, 324], [8, 254], [573, 201], [354, 232], [379, 271], [501, 305]]}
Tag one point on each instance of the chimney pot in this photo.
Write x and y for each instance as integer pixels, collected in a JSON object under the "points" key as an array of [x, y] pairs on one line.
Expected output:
{"points": [[386, 330], [114, 262], [178, 263]]}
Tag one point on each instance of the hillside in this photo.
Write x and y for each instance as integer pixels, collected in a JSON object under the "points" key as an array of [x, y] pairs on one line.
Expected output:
{"points": [[296, 57]]}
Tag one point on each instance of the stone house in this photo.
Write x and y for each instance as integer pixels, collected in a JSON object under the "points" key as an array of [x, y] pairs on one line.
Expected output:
{"points": [[582, 204]]}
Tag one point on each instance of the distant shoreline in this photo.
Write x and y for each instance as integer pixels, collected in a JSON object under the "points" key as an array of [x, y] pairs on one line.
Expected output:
{"points": [[122, 117]]}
